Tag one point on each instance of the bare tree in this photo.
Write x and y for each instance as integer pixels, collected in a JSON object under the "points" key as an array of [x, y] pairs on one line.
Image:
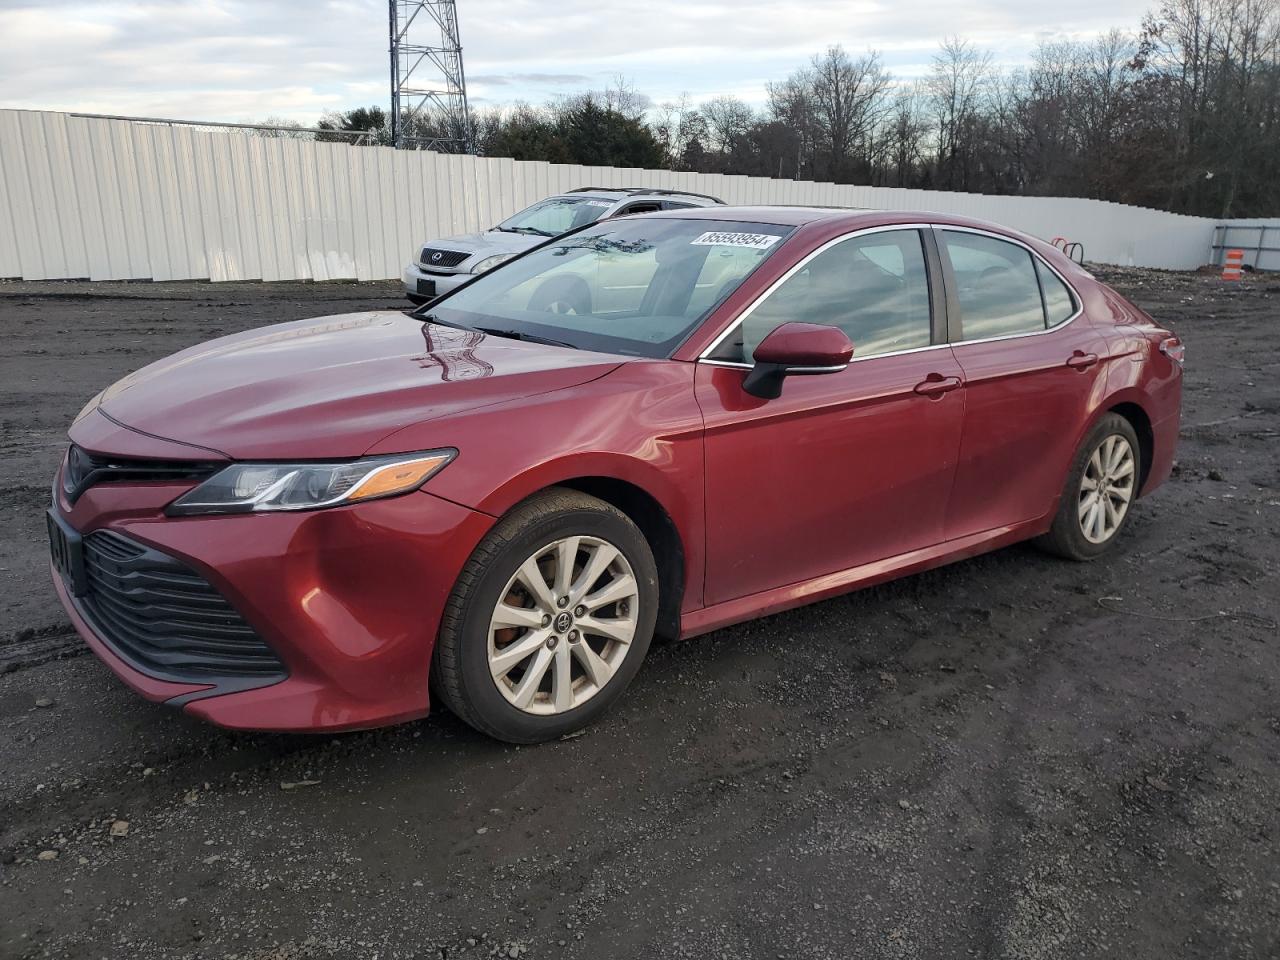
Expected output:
{"points": [[791, 106], [849, 100], [958, 87], [904, 137], [622, 97], [1216, 64], [284, 129], [681, 131], [729, 120], [1102, 110], [1184, 115]]}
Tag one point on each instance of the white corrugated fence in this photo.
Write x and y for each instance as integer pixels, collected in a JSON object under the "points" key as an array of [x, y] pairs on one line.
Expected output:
{"points": [[1258, 240], [107, 199]]}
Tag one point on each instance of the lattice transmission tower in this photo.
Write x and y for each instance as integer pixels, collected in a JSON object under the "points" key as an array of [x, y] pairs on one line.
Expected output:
{"points": [[428, 87]]}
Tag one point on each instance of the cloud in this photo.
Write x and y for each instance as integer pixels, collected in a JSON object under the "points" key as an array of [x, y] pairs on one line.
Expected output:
{"points": [[244, 59], [502, 80]]}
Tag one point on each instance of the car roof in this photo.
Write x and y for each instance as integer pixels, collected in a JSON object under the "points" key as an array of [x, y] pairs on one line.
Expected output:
{"points": [[780, 215], [620, 193], [843, 218]]}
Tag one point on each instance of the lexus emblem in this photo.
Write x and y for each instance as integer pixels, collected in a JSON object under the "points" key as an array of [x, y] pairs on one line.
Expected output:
{"points": [[437, 257]]}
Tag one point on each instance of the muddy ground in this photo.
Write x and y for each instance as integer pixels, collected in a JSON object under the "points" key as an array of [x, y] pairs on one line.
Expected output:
{"points": [[1014, 756]]}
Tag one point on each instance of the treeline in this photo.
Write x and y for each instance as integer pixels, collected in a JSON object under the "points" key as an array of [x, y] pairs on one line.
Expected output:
{"points": [[1183, 115]]}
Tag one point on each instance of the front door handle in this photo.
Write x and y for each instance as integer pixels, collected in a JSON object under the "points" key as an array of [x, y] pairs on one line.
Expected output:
{"points": [[1080, 361], [935, 385]]}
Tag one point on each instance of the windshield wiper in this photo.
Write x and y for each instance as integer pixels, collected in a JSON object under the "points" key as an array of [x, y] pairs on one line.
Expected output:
{"points": [[495, 331], [432, 318], [527, 337], [534, 230]]}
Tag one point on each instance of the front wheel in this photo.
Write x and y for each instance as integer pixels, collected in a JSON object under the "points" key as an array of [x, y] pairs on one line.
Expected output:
{"points": [[1099, 493], [549, 621]]}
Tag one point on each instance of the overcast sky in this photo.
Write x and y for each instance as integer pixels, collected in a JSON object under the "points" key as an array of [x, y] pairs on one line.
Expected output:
{"points": [[245, 60]]}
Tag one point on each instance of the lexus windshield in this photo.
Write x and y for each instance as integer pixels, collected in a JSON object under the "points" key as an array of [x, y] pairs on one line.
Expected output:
{"points": [[556, 215], [632, 286]]}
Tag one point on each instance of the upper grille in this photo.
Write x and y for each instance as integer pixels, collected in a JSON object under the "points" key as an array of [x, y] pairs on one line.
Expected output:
{"points": [[165, 619], [84, 469], [447, 258]]}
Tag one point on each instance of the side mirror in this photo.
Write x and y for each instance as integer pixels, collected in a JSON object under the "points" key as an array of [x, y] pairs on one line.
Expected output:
{"points": [[794, 349]]}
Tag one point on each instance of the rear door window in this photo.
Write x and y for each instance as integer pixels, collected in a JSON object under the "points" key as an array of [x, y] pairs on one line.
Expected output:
{"points": [[996, 285]]}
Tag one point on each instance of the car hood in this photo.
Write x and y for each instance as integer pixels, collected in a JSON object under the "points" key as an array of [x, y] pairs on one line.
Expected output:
{"points": [[489, 243], [332, 387]]}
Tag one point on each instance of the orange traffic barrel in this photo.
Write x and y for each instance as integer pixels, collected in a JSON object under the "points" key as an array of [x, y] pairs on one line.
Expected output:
{"points": [[1233, 265]]}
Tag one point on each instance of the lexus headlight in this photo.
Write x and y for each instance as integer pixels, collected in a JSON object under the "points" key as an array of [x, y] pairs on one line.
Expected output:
{"points": [[254, 487], [488, 263]]}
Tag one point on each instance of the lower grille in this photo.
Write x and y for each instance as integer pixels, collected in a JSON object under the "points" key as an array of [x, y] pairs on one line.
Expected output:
{"points": [[166, 620], [442, 258]]}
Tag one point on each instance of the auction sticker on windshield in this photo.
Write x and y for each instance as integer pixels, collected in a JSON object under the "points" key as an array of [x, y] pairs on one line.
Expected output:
{"points": [[757, 241]]}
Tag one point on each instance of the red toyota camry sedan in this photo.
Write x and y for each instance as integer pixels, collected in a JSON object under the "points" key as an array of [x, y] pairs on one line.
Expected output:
{"points": [[659, 424]]}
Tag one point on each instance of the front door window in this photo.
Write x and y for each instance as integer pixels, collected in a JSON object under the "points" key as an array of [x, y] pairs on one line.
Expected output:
{"points": [[874, 287]]}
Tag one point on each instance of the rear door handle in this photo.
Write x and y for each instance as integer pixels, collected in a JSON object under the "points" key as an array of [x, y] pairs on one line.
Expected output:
{"points": [[936, 385], [1079, 361]]}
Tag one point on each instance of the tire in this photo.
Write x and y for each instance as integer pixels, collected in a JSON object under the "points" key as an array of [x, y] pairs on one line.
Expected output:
{"points": [[1077, 532], [566, 295], [483, 688]]}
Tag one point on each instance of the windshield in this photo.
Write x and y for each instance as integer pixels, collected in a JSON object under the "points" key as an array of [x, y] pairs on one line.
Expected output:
{"points": [[555, 216], [632, 286]]}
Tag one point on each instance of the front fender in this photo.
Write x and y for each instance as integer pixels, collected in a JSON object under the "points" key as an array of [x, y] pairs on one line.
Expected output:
{"points": [[639, 424], [590, 464]]}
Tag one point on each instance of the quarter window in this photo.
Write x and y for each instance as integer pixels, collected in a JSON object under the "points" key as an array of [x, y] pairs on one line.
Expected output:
{"points": [[874, 287], [996, 286], [1059, 304]]}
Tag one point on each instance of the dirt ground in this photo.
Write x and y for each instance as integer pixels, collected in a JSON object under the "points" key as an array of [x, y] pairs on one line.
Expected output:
{"points": [[1013, 756]]}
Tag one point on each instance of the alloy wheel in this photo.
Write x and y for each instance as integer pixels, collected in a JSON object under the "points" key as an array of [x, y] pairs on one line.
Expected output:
{"points": [[1106, 489], [563, 625]]}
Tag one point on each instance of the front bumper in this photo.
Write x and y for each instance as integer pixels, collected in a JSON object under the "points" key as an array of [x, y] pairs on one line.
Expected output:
{"points": [[349, 599], [420, 283]]}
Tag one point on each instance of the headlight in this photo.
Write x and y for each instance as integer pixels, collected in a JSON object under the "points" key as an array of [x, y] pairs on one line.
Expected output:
{"points": [[488, 263], [253, 487]]}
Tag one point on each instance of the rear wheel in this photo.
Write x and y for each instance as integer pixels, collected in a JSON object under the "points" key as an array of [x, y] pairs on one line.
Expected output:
{"points": [[549, 621], [1099, 493]]}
